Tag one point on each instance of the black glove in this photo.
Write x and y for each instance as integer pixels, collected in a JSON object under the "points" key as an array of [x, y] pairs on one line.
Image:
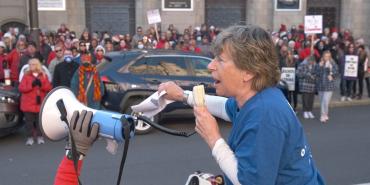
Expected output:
{"points": [[36, 82], [83, 135]]}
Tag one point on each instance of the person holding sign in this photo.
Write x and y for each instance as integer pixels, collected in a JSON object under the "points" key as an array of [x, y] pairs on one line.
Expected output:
{"points": [[348, 69], [287, 65], [267, 144], [326, 72]]}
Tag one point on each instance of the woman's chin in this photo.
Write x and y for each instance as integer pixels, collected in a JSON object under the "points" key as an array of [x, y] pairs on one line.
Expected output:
{"points": [[219, 90]]}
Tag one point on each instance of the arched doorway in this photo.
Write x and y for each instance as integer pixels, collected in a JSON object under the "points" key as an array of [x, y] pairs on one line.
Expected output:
{"points": [[5, 27]]}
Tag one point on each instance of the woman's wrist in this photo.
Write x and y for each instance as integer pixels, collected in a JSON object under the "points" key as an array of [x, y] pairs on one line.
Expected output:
{"points": [[212, 141], [185, 97]]}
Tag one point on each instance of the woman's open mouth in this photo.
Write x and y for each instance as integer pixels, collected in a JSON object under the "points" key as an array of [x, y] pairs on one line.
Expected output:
{"points": [[216, 82]]}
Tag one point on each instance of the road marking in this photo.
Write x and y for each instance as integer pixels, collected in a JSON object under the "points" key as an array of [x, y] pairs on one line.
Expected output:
{"points": [[363, 184]]}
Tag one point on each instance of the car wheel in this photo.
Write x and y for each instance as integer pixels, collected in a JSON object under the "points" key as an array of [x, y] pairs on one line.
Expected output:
{"points": [[13, 122], [140, 126]]}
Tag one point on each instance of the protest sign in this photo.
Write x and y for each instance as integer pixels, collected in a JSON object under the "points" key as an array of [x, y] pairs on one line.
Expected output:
{"points": [[312, 24], [351, 66], [288, 75], [153, 16]]}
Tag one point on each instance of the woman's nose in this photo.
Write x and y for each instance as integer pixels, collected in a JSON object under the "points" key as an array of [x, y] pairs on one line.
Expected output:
{"points": [[211, 66]]}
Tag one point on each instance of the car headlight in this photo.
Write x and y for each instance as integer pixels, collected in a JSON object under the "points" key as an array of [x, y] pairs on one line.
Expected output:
{"points": [[4, 99]]}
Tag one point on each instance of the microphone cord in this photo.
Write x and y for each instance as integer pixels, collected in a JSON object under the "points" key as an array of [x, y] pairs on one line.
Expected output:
{"points": [[164, 129]]}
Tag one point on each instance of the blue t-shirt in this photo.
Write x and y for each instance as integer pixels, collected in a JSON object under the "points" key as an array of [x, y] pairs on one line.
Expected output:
{"points": [[269, 142]]}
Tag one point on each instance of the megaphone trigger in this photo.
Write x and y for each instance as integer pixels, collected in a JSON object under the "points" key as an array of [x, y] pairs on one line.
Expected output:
{"points": [[62, 110]]}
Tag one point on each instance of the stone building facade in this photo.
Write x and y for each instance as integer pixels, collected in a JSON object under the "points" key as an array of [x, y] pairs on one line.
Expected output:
{"points": [[123, 16]]}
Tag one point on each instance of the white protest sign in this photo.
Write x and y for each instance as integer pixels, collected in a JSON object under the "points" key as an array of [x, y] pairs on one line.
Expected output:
{"points": [[312, 24], [351, 66], [288, 75], [153, 16]]}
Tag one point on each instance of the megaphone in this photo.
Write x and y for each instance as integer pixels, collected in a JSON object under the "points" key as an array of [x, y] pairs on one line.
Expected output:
{"points": [[61, 102]]}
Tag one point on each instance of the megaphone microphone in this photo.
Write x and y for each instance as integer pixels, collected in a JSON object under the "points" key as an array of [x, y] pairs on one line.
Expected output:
{"points": [[58, 107]]}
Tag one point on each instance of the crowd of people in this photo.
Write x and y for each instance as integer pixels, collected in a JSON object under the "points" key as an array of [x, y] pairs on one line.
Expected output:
{"points": [[320, 60], [64, 59]]}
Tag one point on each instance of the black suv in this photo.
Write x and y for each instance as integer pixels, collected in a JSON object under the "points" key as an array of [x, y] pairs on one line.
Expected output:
{"points": [[132, 76]]}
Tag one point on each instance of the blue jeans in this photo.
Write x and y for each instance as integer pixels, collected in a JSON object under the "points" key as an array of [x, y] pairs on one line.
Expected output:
{"points": [[325, 97]]}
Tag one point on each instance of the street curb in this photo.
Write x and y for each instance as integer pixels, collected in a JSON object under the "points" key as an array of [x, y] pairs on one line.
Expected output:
{"points": [[365, 101]]}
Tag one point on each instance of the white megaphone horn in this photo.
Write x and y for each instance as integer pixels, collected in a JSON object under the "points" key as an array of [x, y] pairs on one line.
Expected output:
{"points": [[61, 102]]}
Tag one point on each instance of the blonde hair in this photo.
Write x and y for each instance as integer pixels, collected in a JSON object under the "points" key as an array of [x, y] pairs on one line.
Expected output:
{"points": [[38, 65], [252, 50]]}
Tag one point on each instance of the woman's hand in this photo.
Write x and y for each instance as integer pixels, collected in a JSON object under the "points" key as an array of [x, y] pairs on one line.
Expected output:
{"points": [[330, 77], [174, 92], [322, 62], [206, 126]]}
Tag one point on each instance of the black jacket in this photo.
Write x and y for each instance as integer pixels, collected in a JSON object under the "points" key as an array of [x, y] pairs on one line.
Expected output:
{"points": [[63, 73]]}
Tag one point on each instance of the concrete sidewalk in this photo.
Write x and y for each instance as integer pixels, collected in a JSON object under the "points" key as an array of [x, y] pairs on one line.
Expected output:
{"points": [[336, 102]]}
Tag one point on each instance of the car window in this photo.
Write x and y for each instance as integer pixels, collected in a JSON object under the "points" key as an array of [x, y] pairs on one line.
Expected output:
{"points": [[200, 66], [139, 67], [174, 66]]}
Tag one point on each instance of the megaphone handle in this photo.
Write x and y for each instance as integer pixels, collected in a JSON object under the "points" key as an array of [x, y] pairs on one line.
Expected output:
{"points": [[75, 155]]}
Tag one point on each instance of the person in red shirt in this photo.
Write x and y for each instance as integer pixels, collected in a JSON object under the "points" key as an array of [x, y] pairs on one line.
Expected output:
{"points": [[34, 86], [193, 46], [2, 60], [14, 58], [304, 53], [162, 41], [83, 138]]}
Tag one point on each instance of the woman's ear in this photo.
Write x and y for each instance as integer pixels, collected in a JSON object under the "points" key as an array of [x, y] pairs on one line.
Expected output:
{"points": [[247, 76]]}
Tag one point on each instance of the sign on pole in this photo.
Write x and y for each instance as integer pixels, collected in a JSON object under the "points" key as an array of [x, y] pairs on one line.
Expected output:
{"points": [[312, 24], [288, 75], [153, 16], [351, 66]]}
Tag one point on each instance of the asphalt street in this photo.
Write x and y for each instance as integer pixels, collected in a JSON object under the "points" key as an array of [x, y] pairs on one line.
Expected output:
{"points": [[341, 151]]}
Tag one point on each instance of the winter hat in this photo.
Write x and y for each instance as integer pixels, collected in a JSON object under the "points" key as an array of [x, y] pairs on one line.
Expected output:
{"points": [[283, 34], [99, 47], [22, 37], [282, 28], [291, 44], [7, 34], [301, 27], [2, 44]]}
